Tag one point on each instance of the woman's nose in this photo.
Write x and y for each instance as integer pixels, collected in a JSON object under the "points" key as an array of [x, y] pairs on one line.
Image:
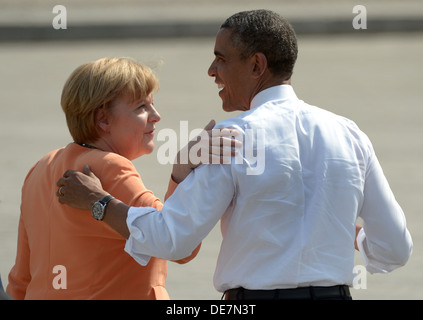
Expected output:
{"points": [[154, 115]]}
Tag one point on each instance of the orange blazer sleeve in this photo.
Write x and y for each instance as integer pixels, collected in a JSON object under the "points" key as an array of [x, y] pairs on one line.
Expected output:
{"points": [[120, 178], [20, 275]]}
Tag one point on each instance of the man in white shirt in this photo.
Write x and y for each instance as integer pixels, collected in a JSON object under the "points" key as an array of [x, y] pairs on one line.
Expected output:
{"points": [[288, 203]]}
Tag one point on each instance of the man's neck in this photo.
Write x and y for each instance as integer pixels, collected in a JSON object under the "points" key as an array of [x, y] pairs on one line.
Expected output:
{"points": [[272, 82]]}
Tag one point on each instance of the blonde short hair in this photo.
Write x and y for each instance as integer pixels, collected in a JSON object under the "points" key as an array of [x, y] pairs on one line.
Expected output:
{"points": [[95, 84]]}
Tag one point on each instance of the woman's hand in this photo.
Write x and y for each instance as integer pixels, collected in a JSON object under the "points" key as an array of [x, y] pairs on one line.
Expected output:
{"points": [[358, 227], [210, 146]]}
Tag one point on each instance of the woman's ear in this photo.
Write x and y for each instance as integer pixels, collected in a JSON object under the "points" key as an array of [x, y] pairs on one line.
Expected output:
{"points": [[260, 64], [102, 119]]}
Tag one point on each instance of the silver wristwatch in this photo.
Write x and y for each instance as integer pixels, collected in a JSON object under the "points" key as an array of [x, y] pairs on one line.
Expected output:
{"points": [[99, 207]]}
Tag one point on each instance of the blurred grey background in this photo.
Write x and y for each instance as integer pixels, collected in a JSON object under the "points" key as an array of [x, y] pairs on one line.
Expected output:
{"points": [[373, 76]]}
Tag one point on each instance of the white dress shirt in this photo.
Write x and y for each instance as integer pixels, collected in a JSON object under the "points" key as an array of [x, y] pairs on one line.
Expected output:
{"points": [[288, 203]]}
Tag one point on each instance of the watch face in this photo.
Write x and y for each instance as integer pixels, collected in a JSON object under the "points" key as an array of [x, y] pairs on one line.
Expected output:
{"points": [[97, 211]]}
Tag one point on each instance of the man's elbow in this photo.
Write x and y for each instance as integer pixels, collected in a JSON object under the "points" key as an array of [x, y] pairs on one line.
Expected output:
{"points": [[180, 251], [384, 257], [189, 257], [403, 250]]}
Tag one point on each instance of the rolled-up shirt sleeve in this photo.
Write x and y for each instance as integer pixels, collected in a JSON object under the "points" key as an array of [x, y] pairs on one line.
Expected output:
{"points": [[188, 215], [384, 242]]}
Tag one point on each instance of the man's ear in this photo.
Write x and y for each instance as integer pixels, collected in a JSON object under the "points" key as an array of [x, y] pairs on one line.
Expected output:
{"points": [[260, 64], [102, 120]]}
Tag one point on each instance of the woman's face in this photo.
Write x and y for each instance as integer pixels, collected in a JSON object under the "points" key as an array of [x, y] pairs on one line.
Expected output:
{"points": [[131, 126]]}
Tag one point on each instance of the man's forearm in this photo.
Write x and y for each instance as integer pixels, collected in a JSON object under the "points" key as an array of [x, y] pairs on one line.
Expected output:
{"points": [[81, 190], [115, 216]]}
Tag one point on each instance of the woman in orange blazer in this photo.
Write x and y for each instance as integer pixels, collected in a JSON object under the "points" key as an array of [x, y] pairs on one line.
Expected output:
{"points": [[63, 253]]}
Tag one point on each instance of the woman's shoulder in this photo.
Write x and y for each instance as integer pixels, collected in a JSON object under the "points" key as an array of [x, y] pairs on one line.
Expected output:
{"points": [[109, 164], [111, 158], [99, 158]]}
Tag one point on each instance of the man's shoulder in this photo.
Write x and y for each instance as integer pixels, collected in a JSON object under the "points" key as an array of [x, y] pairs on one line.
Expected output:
{"points": [[318, 112], [337, 124], [237, 122], [242, 121]]}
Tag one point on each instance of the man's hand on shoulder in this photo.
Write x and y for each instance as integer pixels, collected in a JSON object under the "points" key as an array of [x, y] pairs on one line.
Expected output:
{"points": [[80, 189]]}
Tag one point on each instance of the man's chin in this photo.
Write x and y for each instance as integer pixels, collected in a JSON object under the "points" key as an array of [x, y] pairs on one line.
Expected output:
{"points": [[227, 107]]}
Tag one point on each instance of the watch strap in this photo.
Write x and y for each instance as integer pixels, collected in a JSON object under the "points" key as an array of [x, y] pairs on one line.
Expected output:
{"points": [[106, 199], [99, 207]]}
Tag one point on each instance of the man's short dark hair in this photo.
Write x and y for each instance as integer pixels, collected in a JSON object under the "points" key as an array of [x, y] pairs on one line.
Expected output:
{"points": [[266, 32]]}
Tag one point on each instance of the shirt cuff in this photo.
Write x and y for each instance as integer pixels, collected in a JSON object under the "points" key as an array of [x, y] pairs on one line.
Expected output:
{"points": [[360, 244], [170, 188], [135, 234], [372, 266]]}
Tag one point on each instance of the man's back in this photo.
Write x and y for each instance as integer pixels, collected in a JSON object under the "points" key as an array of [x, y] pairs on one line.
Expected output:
{"points": [[300, 212]]}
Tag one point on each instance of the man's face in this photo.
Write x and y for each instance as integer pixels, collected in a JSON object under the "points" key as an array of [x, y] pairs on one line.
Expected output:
{"points": [[232, 74]]}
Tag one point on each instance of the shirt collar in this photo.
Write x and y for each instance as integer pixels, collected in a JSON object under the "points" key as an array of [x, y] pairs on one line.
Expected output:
{"points": [[282, 92]]}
